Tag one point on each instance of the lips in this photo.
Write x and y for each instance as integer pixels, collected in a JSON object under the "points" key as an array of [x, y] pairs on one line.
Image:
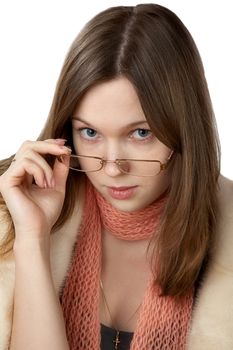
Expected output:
{"points": [[123, 192]]}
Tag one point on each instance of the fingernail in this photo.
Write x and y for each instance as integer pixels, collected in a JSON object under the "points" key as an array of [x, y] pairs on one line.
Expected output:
{"points": [[60, 141], [67, 148]]}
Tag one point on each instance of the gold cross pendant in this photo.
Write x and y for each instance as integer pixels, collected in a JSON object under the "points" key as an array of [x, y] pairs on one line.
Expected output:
{"points": [[117, 340]]}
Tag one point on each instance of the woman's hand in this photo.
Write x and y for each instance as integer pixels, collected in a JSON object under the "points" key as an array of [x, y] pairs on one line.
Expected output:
{"points": [[34, 192]]}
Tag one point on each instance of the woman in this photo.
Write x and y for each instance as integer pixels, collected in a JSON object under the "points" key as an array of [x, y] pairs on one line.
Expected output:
{"points": [[117, 216]]}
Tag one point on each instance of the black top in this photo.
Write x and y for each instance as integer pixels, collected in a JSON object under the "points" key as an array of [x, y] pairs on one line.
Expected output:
{"points": [[109, 337]]}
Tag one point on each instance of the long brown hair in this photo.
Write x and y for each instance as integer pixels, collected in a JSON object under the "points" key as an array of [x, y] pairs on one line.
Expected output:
{"points": [[149, 45]]}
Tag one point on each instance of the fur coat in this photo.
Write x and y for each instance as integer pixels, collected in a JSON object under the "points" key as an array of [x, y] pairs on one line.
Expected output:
{"points": [[212, 319]]}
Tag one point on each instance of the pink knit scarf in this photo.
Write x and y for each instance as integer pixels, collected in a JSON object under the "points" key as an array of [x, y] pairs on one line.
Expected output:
{"points": [[163, 321]]}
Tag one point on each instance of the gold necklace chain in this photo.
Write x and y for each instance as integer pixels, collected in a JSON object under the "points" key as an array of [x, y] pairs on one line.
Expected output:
{"points": [[116, 341]]}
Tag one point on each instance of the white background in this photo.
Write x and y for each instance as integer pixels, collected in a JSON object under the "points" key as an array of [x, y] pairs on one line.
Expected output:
{"points": [[35, 37]]}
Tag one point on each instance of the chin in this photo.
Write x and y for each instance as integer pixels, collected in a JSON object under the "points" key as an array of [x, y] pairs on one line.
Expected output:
{"points": [[126, 206]]}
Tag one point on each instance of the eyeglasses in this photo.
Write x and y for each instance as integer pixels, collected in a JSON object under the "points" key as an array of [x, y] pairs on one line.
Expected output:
{"points": [[135, 167]]}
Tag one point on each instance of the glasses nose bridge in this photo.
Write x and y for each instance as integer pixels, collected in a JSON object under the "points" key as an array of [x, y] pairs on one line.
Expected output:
{"points": [[105, 161], [110, 161]]}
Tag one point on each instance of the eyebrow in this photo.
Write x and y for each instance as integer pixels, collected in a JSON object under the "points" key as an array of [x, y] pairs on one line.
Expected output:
{"points": [[129, 125]]}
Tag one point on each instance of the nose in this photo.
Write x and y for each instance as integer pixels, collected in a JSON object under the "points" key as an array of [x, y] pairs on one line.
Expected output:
{"points": [[111, 168], [113, 150]]}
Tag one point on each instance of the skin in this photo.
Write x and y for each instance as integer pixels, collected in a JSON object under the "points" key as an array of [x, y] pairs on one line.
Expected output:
{"points": [[111, 112], [110, 123], [34, 209], [34, 194]]}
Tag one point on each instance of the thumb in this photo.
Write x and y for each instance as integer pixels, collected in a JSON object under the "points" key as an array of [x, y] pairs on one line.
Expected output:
{"points": [[60, 172]]}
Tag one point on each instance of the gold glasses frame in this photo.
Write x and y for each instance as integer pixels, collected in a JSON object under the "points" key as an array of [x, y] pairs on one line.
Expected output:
{"points": [[118, 162]]}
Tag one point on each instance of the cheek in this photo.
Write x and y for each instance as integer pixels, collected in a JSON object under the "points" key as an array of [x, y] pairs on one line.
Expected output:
{"points": [[164, 180], [94, 178], [155, 187]]}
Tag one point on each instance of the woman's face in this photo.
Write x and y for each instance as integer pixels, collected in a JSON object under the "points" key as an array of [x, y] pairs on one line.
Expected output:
{"points": [[109, 123]]}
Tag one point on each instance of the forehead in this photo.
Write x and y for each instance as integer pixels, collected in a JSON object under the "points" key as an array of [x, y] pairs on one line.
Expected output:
{"points": [[114, 102]]}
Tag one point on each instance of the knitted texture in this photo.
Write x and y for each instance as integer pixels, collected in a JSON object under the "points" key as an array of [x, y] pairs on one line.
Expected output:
{"points": [[163, 321]]}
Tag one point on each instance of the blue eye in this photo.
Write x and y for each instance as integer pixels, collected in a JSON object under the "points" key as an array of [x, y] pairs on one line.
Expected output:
{"points": [[141, 134], [88, 133]]}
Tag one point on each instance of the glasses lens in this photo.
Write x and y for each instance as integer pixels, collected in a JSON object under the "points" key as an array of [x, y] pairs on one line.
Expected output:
{"points": [[85, 163], [139, 167]]}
